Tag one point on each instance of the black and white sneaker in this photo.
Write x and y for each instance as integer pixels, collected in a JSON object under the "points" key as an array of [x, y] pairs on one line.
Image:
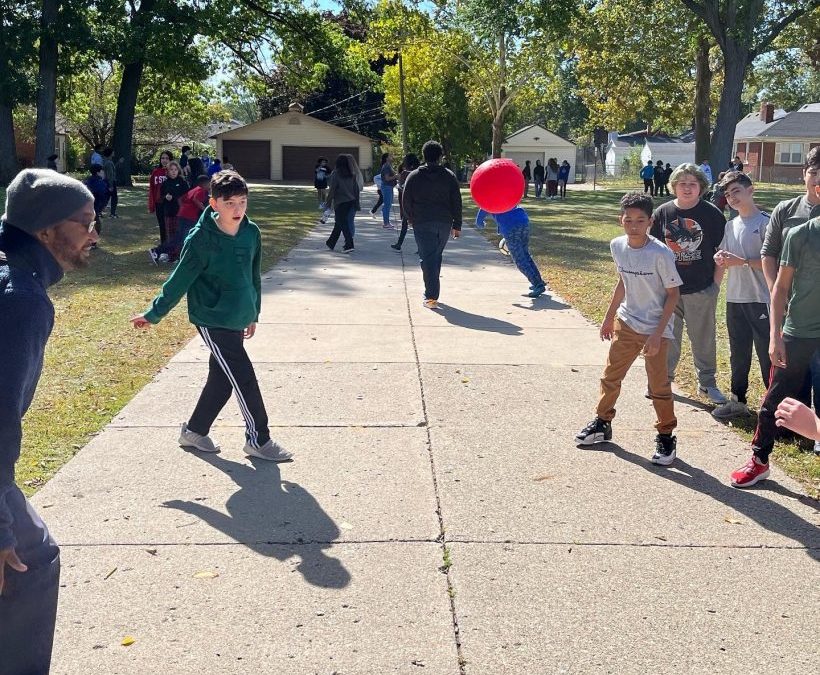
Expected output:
{"points": [[597, 431], [665, 449], [152, 253]]}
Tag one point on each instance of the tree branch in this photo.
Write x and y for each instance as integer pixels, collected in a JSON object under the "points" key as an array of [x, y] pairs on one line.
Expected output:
{"points": [[778, 28]]}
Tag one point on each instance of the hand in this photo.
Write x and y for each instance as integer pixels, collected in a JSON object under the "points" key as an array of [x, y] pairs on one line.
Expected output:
{"points": [[720, 261], [652, 345], [730, 259], [139, 321], [607, 329], [8, 556], [249, 332], [777, 351], [798, 417], [456, 233]]}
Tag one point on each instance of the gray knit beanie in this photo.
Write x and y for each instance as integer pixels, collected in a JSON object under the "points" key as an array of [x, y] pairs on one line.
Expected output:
{"points": [[39, 198]]}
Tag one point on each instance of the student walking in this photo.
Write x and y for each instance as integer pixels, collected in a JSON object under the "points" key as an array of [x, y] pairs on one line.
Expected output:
{"points": [[171, 192], [156, 205], [747, 295], [693, 229], [47, 229], [98, 187], [538, 177], [220, 273], [648, 175], [410, 163], [432, 203], [389, 180], [344, 191], [527, 173], [658, 178], [552, 178], [563, 178], [191, 206], [639, 321], [214, 167], [514, 227], [110, 171], [320, 175]]}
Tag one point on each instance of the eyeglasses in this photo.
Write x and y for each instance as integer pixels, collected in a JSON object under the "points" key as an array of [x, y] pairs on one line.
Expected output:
{"points": [[91, 226]]}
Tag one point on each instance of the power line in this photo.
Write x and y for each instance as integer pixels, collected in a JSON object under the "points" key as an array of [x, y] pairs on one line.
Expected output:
{"points": [[349, 116], [313, 112]]}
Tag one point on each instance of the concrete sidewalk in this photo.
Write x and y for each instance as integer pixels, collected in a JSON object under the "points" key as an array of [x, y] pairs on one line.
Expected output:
{"points": [[438, 517]]}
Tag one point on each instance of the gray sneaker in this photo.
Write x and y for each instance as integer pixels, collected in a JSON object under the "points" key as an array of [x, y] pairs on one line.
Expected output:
{"points": [[714, 394], [191, 439], [271, 451]]}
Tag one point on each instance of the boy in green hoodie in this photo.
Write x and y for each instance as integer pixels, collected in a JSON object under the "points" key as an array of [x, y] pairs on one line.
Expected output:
{"points": [[220, 271]]}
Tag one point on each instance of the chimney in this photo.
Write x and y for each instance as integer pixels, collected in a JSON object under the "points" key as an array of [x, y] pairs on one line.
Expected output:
{"points": [[767, 112]]}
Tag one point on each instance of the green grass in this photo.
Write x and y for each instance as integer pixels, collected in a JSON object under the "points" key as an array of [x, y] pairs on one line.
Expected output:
{"points": [[95, 361], [570, 241]]}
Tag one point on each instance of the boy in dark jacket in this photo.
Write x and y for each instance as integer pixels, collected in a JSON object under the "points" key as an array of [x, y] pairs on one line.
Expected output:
{"points": [[220, 271], [432, 203], [98, 187]]}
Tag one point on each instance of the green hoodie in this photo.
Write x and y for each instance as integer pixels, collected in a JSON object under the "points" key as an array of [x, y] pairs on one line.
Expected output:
{"points": [[221, 274]]}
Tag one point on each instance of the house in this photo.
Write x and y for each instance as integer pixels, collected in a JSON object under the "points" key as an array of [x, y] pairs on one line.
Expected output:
{"points": [[773, 143], [536, 142], [25, 149], [285, 147], [672, 150]]}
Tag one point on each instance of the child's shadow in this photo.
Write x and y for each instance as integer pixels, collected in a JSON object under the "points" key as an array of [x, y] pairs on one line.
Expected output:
{"points": [[273, 517]]}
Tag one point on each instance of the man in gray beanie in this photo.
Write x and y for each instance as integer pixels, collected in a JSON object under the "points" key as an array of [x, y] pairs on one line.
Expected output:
{"points": [[48, 227]]}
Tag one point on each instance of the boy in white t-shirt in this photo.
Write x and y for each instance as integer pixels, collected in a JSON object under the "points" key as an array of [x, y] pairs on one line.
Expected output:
{"points": [[638, 322], [747, 295]]}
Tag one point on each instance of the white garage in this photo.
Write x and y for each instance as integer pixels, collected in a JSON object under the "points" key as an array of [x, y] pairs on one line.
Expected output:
{"points": [[285, 147], [535, 142]]}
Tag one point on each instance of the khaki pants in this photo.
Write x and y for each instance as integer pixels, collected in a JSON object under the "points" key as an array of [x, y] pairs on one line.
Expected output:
{"points": [[625, 348]]}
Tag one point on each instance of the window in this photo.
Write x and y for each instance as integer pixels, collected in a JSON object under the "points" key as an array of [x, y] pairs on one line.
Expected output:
{"points": [[789, 153]]}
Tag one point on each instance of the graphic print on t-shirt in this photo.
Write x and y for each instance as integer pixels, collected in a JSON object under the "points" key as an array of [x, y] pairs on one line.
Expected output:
{"points": [[684, 236]]}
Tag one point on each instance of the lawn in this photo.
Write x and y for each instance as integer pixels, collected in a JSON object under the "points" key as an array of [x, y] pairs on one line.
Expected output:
{"points": [[95, 361], [570, 241]]}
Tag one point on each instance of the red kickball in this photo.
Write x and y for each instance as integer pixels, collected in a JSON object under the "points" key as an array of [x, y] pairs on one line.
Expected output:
{"points": [[497, 185]]}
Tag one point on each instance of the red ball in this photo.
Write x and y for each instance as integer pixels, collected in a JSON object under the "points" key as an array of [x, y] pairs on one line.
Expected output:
{"points": [[497, 185]]}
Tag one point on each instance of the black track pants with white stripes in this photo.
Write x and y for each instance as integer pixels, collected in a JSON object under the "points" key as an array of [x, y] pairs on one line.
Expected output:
{"points": [[230, 370]]}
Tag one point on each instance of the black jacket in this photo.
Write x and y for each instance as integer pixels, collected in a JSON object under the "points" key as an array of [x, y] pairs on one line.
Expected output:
{"points": [[27, 316], [432, 196]]}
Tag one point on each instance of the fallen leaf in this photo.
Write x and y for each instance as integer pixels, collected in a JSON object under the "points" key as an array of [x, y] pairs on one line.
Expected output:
{"points": [[732, 521], [152, 551], [205, 574], [546, 476], [465, 380], [110, 574], [127, 641]]}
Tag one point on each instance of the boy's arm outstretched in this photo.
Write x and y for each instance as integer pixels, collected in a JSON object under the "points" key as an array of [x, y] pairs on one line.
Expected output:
{"points": [[608, 326], [653, 342]]}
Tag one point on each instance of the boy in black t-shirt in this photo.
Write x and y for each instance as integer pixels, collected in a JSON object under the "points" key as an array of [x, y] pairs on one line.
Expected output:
{"points": [[693, 229]]}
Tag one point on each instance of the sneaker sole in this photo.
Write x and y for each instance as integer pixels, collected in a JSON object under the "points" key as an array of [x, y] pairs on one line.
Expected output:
{"points": [[663, 460], [594, 439], [186, 444], [282, 458], [762, 476], [731, 416]]}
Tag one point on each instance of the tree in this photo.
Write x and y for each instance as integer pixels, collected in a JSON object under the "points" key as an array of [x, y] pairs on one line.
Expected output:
{"points": [[18, 29], [47, 83], [744, 30]]}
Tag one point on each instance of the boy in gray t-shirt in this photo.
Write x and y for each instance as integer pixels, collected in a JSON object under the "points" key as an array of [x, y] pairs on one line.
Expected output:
{"points": [[638, 322], [747, 294]]}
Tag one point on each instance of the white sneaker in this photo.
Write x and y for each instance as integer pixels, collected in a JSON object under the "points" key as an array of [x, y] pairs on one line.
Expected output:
{"points": [[714, 394], [271, 451], [191, 439], [730, 409], [163, 258]]}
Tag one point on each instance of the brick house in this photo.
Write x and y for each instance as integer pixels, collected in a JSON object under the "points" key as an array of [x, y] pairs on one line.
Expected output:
{"points": [[773, 143]]}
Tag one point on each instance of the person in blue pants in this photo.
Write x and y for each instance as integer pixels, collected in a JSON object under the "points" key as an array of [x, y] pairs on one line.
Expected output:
{"points": [[514, 226]]}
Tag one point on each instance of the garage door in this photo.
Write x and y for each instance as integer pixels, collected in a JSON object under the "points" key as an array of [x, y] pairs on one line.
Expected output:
{"points": [[298, 162], [250, 158]]}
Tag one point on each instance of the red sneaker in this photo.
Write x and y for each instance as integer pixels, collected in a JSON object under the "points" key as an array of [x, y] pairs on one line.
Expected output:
{"points": [[750, 473]]}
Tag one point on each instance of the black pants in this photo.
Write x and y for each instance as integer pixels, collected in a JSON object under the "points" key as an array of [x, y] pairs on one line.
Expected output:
{"points": [[379, 201], [748, 324], [159, 212], [783, 382], [230, 370], [649, 186], [402, 233], [28, 606], [115, 199], [562, 189], [431, 240], [342, 225]]}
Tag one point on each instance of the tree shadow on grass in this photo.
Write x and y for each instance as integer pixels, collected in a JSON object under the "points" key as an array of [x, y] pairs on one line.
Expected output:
{"points": [[752, 503], [274, 518]]}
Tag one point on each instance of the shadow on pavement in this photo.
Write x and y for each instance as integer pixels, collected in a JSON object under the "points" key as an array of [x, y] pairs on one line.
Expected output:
{"points": [[274, 518], [458, 317], [751, 502], [541, 303]]}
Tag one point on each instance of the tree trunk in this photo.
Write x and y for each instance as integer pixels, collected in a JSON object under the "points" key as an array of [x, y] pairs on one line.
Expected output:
{"points": [[736, 61], [498, 133], [44, 141], [124, 121], [8, 147], [703, 106]]}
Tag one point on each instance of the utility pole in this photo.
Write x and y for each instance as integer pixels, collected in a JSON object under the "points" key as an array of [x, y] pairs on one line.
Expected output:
{"points": [[403, 104]]}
